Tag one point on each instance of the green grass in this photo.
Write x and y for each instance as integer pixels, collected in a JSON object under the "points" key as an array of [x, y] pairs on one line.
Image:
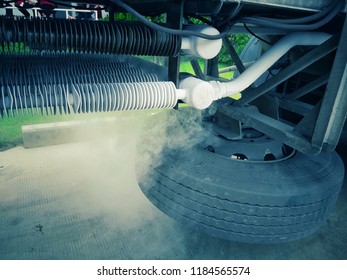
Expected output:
{"points": [[187, 67], [11, 127]]}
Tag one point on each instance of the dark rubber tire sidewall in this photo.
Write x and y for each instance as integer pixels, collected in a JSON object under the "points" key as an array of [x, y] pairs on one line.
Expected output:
{"points": [[256, 202]]}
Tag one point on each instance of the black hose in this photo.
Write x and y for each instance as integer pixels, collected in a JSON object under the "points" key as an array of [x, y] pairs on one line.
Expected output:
{"points": [[77, 36], [307, 19], [296, 27], [161, 28], [297, 24]]}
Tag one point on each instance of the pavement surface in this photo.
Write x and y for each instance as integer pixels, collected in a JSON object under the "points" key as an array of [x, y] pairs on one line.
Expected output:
{"points": [[82, 201]]}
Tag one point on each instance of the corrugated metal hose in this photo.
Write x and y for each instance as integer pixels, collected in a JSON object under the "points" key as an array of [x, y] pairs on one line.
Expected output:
{"points": [[72, 83], [53, 66]]}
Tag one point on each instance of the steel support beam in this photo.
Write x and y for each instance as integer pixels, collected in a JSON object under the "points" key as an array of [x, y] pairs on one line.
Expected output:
{"points": [[111, 13], [322, 80], [297, 107], [314, 55], [276, 129], [232, 52], [307, 125], [197, 70], [333, 112], [211, 67], [175, 21]]}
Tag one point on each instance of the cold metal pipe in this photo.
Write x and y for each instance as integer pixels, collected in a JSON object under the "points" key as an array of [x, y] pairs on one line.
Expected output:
{"points": [[268, 59]]}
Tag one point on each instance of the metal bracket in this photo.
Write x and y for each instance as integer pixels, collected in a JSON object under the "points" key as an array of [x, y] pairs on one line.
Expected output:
{"points": [[321, 123], [175, 20], [303, 62]]}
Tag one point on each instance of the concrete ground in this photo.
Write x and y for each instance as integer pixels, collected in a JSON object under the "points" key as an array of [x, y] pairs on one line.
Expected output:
{"points": [[81, 201]]}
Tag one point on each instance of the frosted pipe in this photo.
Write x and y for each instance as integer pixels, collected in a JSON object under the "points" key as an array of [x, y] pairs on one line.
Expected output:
{"points": [[269, 58]]}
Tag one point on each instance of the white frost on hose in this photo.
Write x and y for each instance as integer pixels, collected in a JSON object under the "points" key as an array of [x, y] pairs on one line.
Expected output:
{"points": [[201, 94], [252, 73]]}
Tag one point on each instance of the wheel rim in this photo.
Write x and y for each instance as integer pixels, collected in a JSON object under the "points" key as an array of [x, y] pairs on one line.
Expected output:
{"points": [[253, 147]]}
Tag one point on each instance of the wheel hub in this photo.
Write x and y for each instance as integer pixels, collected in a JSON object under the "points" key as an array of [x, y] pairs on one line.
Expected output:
{"points": [[254, 146]]}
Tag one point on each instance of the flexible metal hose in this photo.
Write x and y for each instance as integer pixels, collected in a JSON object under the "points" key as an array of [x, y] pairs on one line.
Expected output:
{"points": [[20, 34], [63, 84]]}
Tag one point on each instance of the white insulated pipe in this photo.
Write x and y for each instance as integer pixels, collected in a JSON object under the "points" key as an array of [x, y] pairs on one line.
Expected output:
{"points": [[269, 58], [215, 90]]}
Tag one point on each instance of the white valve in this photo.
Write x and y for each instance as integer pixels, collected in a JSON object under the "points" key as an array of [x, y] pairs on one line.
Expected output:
{"points": [[198, 94], [200, 47]]}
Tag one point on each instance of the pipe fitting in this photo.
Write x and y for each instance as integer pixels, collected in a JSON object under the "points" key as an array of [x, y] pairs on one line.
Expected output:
{"points": [[200, 47], [198, 94]]}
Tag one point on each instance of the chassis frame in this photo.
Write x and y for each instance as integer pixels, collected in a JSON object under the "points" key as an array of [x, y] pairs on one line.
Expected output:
{"points": [[315, 127]]}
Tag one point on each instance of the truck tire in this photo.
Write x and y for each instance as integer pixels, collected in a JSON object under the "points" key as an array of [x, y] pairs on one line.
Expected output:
{"points": [[253, 202]]}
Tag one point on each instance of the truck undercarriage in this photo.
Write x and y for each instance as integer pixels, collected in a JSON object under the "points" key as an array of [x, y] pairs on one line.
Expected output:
{"points": [[268, 172]]}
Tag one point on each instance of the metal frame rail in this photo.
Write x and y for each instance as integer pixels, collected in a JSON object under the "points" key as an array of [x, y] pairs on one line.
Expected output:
{"points": [[321, 125]]}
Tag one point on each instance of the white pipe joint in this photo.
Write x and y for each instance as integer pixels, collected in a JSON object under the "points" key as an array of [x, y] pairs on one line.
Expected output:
{"points": [[198, 94], [199, 47]]}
